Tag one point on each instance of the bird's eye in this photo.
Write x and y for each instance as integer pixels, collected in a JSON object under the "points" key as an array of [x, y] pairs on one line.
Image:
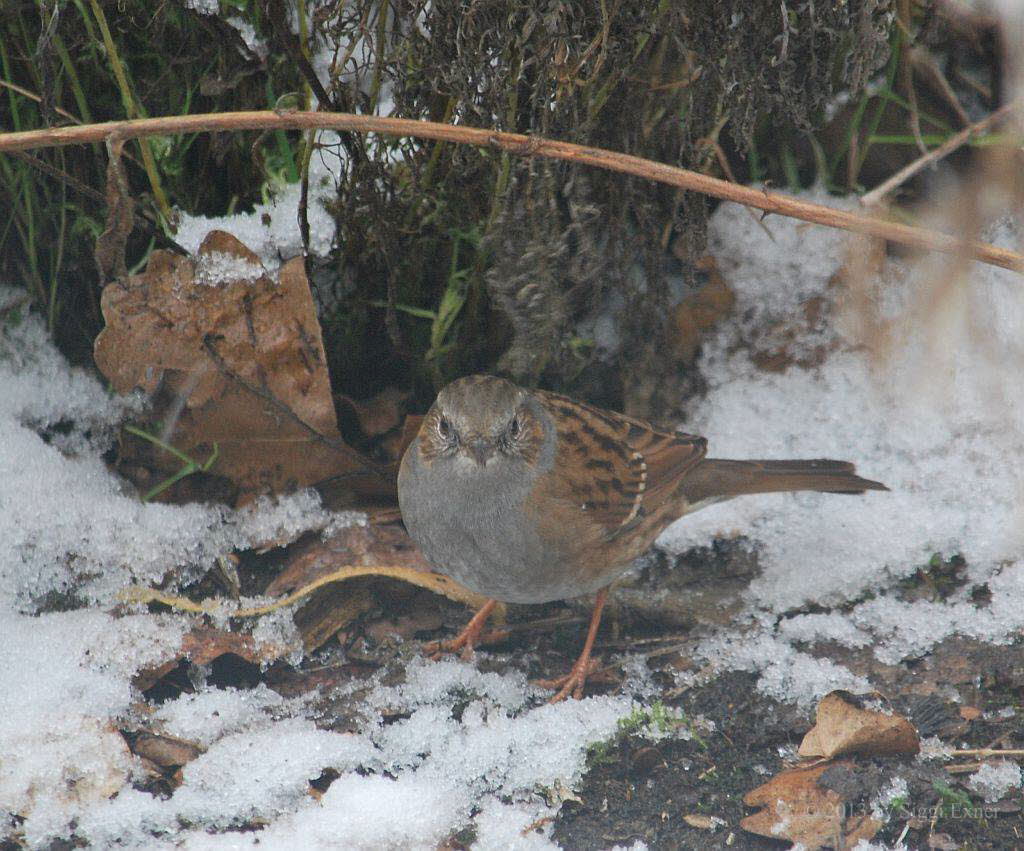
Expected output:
{"points": [[444, 428], [515, 427]]}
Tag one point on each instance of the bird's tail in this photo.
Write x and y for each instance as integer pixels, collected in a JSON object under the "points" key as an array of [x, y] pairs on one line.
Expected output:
{"points": [[717, 478]]}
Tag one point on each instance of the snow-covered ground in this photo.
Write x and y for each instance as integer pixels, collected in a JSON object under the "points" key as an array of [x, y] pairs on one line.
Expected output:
{"points": [[941, 421]]}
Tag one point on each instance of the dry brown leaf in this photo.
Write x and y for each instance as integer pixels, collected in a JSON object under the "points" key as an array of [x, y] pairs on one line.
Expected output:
{"points": [[370, 551], [231, 358], [330, 610], [796, 808], [165, 751], [203, 644], [841, 727], [700, 311], [380, 414], [396, 443], [364, 545]]}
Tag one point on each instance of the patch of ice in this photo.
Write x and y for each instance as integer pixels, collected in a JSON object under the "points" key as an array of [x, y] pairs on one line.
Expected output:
{"points": [[374, 812], [62, 754], [995, 779], [212, 713], [823, 627], [934, 748], [786, 674], [893, 794], [219, 267], [261, 774]]}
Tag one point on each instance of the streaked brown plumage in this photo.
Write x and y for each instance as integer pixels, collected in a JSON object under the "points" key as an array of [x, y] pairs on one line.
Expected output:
{"points": [[527, 496]]}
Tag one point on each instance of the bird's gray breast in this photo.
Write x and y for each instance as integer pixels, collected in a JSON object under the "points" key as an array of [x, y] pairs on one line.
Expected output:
{"points": [[471, 525]]}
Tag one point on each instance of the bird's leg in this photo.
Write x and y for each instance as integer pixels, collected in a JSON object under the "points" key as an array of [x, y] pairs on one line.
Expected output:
{"points": [[573, 682], [465, 640]]}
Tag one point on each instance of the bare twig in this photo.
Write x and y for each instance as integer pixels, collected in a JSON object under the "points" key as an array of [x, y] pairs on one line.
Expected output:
{"points": [[906, 72], [1015, 753], [871, 198], [523, 145], [14, 87]]}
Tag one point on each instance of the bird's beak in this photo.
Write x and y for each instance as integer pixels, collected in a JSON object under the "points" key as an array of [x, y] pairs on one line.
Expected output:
{"points": [[480, 451]]}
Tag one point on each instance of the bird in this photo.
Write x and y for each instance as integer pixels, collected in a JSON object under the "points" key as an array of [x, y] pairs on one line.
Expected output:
{"points": [[528, 496]]}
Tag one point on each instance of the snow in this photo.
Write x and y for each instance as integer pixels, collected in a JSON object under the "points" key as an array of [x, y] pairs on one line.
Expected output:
{"points": [[62, 757], [218, 267], [892, 796], [258, 767], [935, 420], [995, 779], [271, 229]]}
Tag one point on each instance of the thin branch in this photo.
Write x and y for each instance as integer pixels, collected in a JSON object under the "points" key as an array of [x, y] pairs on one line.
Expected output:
{"points": [[522, 145], [869, 199]]}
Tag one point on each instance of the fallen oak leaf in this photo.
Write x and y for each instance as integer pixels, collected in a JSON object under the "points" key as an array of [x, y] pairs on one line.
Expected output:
{"points": [[233, 358], [842, 728], [795, 807]]}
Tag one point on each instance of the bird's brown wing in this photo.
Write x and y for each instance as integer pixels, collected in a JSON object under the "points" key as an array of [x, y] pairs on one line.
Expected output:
{"points": [[620, 471]]}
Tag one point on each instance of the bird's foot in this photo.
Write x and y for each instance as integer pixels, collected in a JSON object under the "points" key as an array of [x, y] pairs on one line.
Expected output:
{"points": [[465, 641], [573, 682]]}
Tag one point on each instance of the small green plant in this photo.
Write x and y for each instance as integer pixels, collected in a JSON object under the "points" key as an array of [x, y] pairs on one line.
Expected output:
{"points": [[654, 722], [602, 752], [951, 800], [455, 292], [190, 465], [633, 723], [897, 806], [658, 721]]}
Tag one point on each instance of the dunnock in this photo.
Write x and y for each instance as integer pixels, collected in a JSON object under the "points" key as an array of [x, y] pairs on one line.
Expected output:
{"points": [[527, 496]]}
